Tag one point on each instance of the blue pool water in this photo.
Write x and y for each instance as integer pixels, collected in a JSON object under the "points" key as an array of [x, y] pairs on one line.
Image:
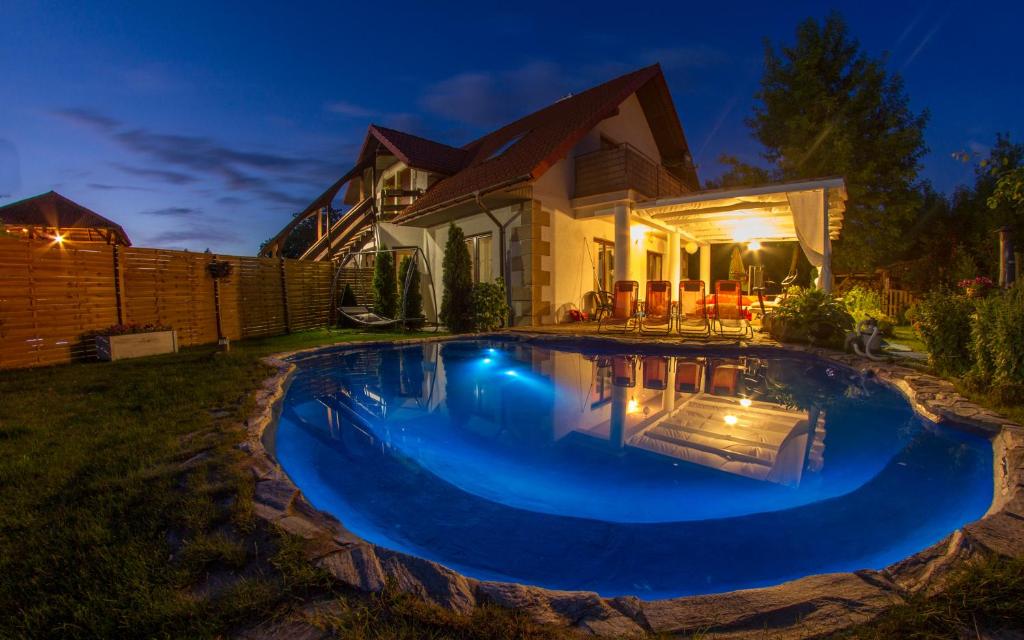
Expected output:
{"points": [[654, 473]]}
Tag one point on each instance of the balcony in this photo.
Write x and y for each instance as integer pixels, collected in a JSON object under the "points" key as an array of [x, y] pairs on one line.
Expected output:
{"points": [[621, 168]]}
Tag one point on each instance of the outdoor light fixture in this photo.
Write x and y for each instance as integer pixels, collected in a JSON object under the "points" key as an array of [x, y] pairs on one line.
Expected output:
{"points": [[730, 419], [691, 247], [59, 239], [754, 245], [745, 402], [633, 406]]}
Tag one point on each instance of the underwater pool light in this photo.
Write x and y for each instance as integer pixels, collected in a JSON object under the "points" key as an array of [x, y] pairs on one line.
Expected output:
{"points": [[486, 361], [511, 372]]}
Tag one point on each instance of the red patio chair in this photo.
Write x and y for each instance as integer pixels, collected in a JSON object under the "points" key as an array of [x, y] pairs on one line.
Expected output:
{"points": [[730, 309], [623, 371], [656, 373], [624, 303], [689, 375], [657, 316], [693, 315]]}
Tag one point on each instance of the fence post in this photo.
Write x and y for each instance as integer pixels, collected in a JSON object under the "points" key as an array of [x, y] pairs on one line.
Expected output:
{"points": [[216, 304], [284, 298], [119, 285]]}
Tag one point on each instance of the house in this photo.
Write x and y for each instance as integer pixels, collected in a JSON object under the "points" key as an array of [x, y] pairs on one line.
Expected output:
{"points": [[52, 216], [599, 186]]}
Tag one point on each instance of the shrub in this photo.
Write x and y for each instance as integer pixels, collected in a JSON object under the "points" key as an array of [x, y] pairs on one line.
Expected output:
{"points": [[811, 315], [490, 305], [943, 320], [864, 303], [997, 339], [409, 274], [457, 277], [348, 297], [385, 286]]}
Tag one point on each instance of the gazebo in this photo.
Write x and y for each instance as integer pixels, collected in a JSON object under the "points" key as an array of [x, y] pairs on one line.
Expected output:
{"points": [[809, 212], [53, 217]]}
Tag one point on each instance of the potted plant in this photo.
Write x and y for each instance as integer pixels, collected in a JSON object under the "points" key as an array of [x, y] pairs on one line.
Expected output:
{"points": [[134, 340]]}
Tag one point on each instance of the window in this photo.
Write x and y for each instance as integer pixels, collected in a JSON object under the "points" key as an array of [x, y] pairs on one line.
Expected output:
{"points": [[605, 264], [480, 255], [654, 263]]}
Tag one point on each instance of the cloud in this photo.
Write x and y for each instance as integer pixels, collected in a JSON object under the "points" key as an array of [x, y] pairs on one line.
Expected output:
{"points": [[184, 159], [87, 117], [489, 99], [195, 234], [170, 177], [349, 110], [172, 212], [116, 187]]}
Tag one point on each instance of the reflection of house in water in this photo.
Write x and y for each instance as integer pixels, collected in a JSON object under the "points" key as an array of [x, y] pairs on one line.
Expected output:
{"points": [[701, 410]]}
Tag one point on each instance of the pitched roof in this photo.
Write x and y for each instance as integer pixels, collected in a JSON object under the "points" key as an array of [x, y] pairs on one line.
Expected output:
{"points": [[525, 149], [52, 210], [418, 152]]}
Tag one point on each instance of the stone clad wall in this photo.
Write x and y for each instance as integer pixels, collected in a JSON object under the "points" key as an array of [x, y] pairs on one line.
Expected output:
{"points": [[530, 266]]}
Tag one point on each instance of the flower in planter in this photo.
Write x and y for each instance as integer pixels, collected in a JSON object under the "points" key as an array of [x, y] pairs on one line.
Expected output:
{"points": [[976, 287]]}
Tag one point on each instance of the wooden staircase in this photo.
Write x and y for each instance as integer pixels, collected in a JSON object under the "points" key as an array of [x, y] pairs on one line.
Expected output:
{"points": [[347, 235]]}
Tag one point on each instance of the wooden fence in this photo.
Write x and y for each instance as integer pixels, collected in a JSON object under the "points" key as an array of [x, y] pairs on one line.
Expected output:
{"points": [[51, 296]]}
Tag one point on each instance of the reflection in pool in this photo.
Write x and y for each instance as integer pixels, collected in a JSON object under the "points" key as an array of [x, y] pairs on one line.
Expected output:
{"points": [[653, 473]]}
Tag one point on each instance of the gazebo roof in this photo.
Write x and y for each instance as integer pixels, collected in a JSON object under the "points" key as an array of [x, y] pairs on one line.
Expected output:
{"points": [[53, 211], [745, 213]]}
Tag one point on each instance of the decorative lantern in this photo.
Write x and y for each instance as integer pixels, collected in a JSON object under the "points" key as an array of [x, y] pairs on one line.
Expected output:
{"points": [[691, 247]]}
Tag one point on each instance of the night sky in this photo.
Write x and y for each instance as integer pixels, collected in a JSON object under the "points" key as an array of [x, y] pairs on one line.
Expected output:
{"points": [[201, 125]]}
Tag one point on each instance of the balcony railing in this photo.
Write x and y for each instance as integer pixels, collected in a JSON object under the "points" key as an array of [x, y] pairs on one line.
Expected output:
{"points": [[620, 168]]}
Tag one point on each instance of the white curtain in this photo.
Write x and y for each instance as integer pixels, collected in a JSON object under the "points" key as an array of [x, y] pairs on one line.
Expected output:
{"points": [[808, 218]]}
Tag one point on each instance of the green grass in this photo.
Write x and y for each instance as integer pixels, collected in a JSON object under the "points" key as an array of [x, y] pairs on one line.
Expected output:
{"points": [[904, 334], [124, 511]]}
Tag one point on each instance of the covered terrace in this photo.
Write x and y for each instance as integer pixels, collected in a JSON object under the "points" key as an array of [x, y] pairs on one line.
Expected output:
{"points": [[809, 212]]}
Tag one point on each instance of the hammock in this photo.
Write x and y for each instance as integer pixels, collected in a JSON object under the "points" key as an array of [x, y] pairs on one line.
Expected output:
{"points": [[363, 315]]}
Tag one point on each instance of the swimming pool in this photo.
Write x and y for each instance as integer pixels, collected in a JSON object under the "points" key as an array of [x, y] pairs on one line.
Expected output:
{"points": [[650, 472]]}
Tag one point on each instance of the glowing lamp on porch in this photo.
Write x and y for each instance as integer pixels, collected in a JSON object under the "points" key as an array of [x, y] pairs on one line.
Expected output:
{"points": [[638, 232], [632, 406], [754, 245], [691, 247]]}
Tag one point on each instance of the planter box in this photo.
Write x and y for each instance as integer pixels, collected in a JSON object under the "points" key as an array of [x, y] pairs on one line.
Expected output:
{"points": [[134, 345]]}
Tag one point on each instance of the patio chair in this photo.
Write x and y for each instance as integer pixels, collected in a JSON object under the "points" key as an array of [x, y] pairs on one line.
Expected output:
{"points": [[725, 379], [730, 312], [689, 375], [693, 315], [623, 316], [656, 373], [657, 316], [623, 371]]}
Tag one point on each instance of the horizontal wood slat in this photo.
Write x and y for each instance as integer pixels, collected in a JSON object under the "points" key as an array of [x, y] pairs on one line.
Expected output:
{"points": [[52, 296]]}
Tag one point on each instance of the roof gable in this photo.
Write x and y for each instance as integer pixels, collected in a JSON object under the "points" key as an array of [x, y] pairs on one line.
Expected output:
{"points": [[52, 210], [525, 149]]}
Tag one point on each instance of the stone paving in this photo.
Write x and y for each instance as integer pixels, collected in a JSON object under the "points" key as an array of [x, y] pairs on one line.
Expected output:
{"points": [[803, 608]]}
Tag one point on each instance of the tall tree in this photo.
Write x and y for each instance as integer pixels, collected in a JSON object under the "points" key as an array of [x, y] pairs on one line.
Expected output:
{"points": [[385, 285], [457, 277], [825, 108]]}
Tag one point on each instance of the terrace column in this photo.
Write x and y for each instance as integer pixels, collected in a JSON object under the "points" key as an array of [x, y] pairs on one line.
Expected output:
{"points": [[622, 242], [705, 267], [674, 256], [826, 262]]}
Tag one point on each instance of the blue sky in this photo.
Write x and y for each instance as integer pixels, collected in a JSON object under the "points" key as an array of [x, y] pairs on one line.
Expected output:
{"points": [[201, 125]]}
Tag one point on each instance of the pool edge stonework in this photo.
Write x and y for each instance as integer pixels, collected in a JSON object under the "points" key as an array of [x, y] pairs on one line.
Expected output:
{"points": [[807, 607]]}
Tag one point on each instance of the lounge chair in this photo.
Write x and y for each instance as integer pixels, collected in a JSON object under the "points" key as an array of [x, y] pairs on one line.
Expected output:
{"points": [[657, 315], [656, 373], [693, 315], [365, 317], [725, 379], [623, 316], [689, 375], [730, 311], [623, 371]]}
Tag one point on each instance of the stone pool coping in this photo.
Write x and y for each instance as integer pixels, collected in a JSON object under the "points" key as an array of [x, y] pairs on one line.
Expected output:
{"points": [[807, 607]]}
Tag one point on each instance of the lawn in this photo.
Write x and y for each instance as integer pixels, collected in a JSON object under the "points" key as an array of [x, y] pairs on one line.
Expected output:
{"points": [[125, 512]]}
